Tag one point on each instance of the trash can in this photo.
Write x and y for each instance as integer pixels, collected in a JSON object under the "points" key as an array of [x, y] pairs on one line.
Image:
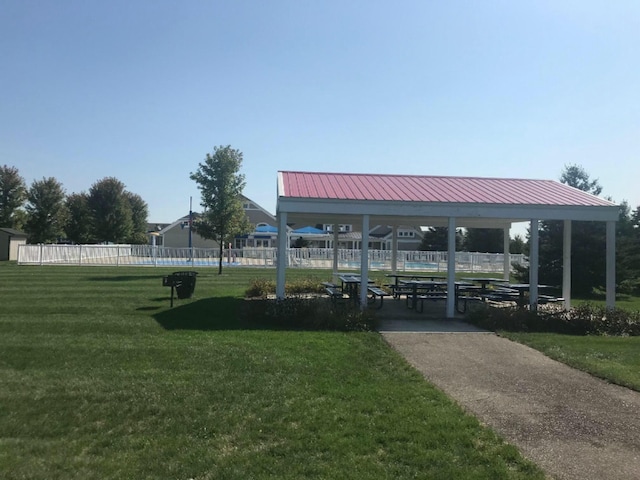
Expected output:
{"points": [[185, 283]]}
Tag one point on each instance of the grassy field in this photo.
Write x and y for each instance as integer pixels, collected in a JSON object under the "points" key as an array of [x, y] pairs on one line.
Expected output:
{"points": [[100, 379], [614, 359], [628, 302]]}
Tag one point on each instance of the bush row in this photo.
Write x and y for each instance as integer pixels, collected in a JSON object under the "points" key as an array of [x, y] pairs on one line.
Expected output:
{"points": [[309, 313], [585, 319], [262, 287]]}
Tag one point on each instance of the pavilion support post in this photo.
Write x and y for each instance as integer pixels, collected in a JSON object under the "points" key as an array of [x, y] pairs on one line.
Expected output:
{"points": [[566, 264], [534, 257], [364, 262], [394, 249], [281, 264], [611, 264], [451, 267], [336, 236], [506, 256]]}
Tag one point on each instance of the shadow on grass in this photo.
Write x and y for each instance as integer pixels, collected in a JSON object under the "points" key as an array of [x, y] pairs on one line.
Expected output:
{"points": [[217, 313]]}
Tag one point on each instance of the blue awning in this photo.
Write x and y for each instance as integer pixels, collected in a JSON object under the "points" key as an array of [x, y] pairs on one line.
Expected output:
{"points": [[308, 230], [266, 229]]}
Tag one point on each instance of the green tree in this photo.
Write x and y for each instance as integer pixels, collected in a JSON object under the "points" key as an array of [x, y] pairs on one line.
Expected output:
{"points": [[221, 185], [435, 239], [13, 193], [517, 245], [485, 240], [46, 211], [110, 211], [139, 213], [628, 250], [79, 221], [587, 254]]}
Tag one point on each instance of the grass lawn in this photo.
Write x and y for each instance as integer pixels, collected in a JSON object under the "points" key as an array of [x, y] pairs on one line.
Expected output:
{"points": [[615, 359], [100, 379], [628, 302]]}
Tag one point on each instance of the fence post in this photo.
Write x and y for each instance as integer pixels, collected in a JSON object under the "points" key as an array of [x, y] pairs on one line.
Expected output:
{"points": [[80, 254], [40, 261]]}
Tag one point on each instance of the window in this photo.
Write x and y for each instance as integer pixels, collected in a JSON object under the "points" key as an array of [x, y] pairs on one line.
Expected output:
{"points": [[341, 228]]}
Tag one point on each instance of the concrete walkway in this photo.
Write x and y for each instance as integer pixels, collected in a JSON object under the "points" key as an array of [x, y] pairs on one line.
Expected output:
{"points": [[571, 424]]}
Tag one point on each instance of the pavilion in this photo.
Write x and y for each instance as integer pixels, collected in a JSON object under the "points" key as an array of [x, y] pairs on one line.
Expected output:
{"points": [[365, 200]]}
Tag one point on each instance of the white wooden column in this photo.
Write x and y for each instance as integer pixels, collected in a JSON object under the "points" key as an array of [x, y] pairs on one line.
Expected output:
{"points": [[281, 264], [394, 249], [451, 268], [336, 236], [611, 264], [506, 255], [566, 264], [364, 262], [534, 256]]}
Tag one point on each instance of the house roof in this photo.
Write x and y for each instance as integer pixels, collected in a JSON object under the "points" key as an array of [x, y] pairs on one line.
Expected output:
{"points": [[430, 200], [414, 188], [13, 232]]}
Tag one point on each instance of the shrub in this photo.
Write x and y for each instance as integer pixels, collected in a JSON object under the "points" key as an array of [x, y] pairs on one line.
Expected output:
{"points": [[262, 288], [585, 319], [309, 313]]}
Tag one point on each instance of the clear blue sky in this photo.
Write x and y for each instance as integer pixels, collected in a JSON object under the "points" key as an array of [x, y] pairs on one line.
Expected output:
{"points": [[142, 90]]}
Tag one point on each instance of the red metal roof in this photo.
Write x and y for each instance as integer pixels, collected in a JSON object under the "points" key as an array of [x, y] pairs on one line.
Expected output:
{"points": [[416, 188]]}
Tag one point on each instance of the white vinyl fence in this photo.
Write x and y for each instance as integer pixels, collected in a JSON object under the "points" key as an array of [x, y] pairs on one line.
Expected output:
{"points": [[263, 257]]}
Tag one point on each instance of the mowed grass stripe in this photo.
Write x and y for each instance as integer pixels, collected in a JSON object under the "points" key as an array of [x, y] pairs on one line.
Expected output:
{"points": [[102, 390]]}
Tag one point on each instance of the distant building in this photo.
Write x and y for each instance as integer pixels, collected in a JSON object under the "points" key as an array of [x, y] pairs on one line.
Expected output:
{"points": [[176, 234], [10, 240], [265, 234]]}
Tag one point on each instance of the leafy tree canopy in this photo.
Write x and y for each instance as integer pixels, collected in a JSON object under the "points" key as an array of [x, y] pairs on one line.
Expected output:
{"points": [[46, 211], [436, 239], [78, 228], [139, 214], [486, 240], [13, 193], [221, 185], [110, 211], [587, 254]]}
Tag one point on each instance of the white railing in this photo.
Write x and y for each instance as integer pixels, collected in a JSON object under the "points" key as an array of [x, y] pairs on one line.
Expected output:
{"points": [[256, 257]]}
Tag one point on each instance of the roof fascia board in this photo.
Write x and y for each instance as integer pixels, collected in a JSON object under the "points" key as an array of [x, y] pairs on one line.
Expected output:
{"points": [[330, 207]]}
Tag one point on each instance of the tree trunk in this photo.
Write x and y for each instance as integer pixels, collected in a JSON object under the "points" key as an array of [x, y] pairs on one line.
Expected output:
{"points": [[220, 260]]}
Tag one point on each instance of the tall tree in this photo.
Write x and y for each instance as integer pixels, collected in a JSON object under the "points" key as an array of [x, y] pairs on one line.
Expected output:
{"points": [[435, 239], [485, 240], [13, 193], [79, 222], [110, 211], [139, 213], [221, 185], [587, 257], [628, 250], [46, 211], [517, 244]]}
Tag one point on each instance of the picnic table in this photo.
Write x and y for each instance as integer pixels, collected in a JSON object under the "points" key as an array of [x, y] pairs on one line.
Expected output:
{"points": [[517, 292], [399, 288], [484, 282], [350, 284], [435, 290]]}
